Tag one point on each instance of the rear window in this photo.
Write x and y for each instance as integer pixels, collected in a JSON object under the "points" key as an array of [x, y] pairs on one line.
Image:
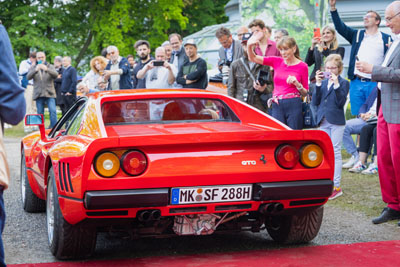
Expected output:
{"points": [[166, 110]]}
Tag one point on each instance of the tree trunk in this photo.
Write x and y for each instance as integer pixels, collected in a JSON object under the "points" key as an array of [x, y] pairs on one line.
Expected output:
{"points": [[84, 48], [308, 9]]}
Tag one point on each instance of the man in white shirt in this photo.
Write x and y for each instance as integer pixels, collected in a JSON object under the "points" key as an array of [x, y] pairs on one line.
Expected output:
{"points": [[368, 45], [117, 70], [158, 73]]}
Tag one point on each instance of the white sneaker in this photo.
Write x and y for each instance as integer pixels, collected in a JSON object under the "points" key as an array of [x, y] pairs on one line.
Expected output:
{"points": [[358, 167], [350, 163], [372, 169]]}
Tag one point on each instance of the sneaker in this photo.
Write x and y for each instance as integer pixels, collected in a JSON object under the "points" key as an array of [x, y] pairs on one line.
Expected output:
{"points": [[358, 167], [372, 169], [350, 163], [337, 192]]}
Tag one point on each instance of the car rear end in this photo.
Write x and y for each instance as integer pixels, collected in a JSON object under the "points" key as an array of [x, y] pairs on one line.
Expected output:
{"points": [[198, 176]]}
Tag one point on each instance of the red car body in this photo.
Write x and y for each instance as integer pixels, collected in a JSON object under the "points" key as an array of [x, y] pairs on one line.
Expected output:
{"points": [[185, 155]]}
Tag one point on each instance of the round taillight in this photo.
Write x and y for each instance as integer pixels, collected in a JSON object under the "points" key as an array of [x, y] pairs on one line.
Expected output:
{"points": [[287, 156], [107, 164], [311, 155], [134, 162]]}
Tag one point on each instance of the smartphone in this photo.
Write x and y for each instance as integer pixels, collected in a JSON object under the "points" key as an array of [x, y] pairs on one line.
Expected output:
{"points": [[317, 33], [327, 75], [158, 63]]}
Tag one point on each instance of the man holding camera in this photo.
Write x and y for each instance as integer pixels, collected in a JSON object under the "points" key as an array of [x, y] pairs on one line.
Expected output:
{"points": [[230, 49], [248, 81], [158, 73]]}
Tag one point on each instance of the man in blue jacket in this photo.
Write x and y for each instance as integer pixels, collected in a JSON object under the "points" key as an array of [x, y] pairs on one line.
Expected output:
{"points": [[367, 45], [68, 85], [12, 111], [117, 70]]}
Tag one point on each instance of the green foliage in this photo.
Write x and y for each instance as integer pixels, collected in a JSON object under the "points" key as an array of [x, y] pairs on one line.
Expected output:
{"points": [[200, 14], [82, 28], [299, 17]]}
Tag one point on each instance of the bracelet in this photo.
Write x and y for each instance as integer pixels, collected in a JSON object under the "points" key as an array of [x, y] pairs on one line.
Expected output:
{"points": [[299, 88]]}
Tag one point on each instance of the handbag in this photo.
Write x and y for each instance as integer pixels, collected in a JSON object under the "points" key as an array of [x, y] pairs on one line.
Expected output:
{"points": [[309, 120]]}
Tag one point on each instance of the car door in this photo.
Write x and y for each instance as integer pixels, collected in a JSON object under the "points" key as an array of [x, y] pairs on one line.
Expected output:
{"points": [[41, 148]]}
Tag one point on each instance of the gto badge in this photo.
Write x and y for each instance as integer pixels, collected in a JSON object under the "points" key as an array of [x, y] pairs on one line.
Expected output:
{"points": [[249, 162]]}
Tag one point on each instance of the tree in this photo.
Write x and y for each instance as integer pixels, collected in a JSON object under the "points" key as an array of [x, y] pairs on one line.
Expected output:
{"points": [[299, 17], [201, 14], [82, 28]]}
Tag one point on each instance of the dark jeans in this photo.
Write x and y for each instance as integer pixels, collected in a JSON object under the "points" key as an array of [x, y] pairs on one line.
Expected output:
{"points": [[68, 101], [2, 223], [289, 111], [368, 138]]}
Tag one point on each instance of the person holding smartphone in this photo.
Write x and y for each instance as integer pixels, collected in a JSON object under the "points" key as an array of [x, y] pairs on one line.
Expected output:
{"points": [[329, 97], [321, 47], [158, 73]]}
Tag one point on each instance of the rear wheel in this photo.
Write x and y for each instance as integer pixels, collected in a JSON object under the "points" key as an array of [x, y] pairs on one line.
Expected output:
{"points": [[30, 202], [66, 241], [298, 228]]}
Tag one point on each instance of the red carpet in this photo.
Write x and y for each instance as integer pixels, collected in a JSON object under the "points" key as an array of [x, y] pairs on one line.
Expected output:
{"points": [[386, 253]]}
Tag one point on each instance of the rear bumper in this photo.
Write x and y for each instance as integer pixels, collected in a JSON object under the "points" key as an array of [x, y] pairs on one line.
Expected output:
{"points": [[293, 190], [141, 198]]}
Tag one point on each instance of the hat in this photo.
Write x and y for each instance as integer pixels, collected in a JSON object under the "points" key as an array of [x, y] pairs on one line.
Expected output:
{"points": [[190, 42], [246, 37]]}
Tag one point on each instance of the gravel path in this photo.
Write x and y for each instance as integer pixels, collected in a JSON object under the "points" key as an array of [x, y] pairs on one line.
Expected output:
{"points": [[25, 237]]}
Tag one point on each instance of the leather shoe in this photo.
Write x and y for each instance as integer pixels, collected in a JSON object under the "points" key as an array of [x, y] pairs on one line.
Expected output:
{"points": [[387, 214]]}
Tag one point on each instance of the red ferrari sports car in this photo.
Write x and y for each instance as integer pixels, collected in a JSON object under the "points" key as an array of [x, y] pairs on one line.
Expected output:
{"points": [[163, 162]]}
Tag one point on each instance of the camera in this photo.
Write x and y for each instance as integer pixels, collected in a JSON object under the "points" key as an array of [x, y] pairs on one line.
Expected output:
{"points": [[263, 77], [158, 63], [327, 75]]}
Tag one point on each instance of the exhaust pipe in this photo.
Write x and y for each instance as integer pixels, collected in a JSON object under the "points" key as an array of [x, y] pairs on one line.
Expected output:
{"points": [[271, 208], [155, 215], [278, 207], [144, 216]]}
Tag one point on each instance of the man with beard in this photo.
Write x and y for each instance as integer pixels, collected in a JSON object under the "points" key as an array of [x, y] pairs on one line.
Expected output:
{"points": [[193, 73], [117, 70], [143, 51], [241, 85]]}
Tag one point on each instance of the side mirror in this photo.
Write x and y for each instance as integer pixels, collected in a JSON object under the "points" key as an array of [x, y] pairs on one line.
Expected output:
{"points": [[36, 120]]}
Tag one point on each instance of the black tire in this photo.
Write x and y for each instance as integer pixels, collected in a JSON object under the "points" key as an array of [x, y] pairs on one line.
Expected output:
{"points": [[66, 241], [294, 229], [30, 202]]}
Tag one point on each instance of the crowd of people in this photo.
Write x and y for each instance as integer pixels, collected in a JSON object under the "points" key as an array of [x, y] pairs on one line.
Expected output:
{"points": [[269, 75]]}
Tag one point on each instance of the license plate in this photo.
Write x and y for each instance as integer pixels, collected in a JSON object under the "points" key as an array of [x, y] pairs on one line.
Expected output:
{"points": [[210, 194]]}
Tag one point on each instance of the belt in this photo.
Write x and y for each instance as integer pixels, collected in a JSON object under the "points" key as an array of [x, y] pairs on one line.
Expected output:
{"points": [[362, 79], [276, 98]]}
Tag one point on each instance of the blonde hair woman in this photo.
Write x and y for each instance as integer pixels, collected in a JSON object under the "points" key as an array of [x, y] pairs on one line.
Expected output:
{"points": [[94, 78], [321, 47], [329, 97]]}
